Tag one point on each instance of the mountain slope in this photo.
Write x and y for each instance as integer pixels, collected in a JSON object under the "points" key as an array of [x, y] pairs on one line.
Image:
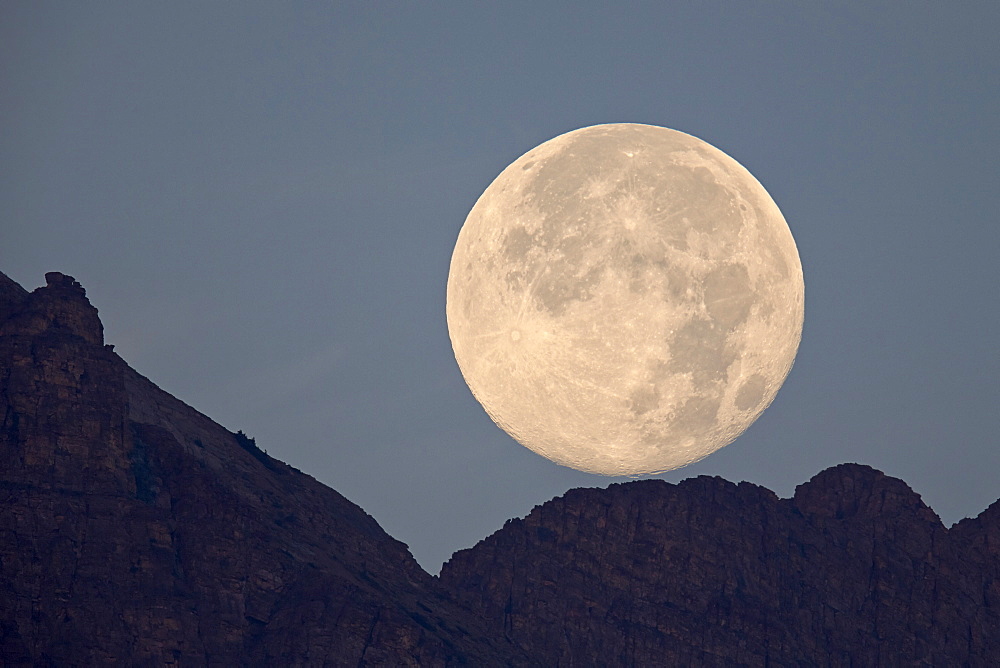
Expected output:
{"points": [[136, 531], [853, 570]]}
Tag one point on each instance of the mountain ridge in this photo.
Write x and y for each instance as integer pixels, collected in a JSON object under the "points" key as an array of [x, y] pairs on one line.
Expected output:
{"points": [[136, 530], [853, 569]]}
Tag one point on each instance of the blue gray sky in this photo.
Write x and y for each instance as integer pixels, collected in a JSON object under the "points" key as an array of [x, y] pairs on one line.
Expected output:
{"points": [[262, 200]]}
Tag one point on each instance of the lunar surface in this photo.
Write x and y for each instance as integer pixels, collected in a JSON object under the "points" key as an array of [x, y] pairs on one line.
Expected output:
{"points": [[625, 299]]}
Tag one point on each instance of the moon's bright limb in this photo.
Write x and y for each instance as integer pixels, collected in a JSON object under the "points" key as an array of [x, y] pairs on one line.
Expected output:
{"points": [[625, 299]]}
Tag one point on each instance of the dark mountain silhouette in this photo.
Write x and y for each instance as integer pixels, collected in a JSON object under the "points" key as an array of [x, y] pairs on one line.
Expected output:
{"points": [[854, 570], [136, 531]]}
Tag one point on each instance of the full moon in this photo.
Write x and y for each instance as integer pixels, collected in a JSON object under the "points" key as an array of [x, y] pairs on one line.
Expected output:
{"points": [[625, 299]]}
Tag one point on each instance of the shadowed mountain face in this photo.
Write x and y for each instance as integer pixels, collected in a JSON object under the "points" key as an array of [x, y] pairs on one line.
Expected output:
{"points": [[136, 531], [854, 570]]}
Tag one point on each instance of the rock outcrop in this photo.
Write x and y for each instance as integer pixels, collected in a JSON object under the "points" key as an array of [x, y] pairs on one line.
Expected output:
{"points": [[136, 531], [854, 570]]}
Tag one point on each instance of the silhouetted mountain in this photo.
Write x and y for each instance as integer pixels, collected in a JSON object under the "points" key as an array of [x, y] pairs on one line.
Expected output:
{"points": [[136, 531], [854, 570]]}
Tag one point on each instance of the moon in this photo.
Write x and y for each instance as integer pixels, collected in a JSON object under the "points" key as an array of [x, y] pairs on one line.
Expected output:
{"points": [[625, 299]]}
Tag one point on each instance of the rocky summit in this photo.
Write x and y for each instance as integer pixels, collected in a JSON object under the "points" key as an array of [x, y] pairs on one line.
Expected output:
{"points": [[136, 531]]}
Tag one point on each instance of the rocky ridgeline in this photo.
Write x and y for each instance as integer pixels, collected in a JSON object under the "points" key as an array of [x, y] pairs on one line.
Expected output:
{"points": [[854, 570], [136, 531]]}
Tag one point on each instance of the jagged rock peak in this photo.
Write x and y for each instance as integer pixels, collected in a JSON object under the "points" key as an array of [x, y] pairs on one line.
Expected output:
{"points": [[853, 490], [61, 308], [58, 280]]}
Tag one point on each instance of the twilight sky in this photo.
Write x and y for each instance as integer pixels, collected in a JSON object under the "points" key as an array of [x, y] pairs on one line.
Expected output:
{"points": [[262, 199]]}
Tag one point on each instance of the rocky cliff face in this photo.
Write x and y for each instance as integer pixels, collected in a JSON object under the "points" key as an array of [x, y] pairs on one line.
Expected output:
{"points": [[854, 570], [136, 531]]}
